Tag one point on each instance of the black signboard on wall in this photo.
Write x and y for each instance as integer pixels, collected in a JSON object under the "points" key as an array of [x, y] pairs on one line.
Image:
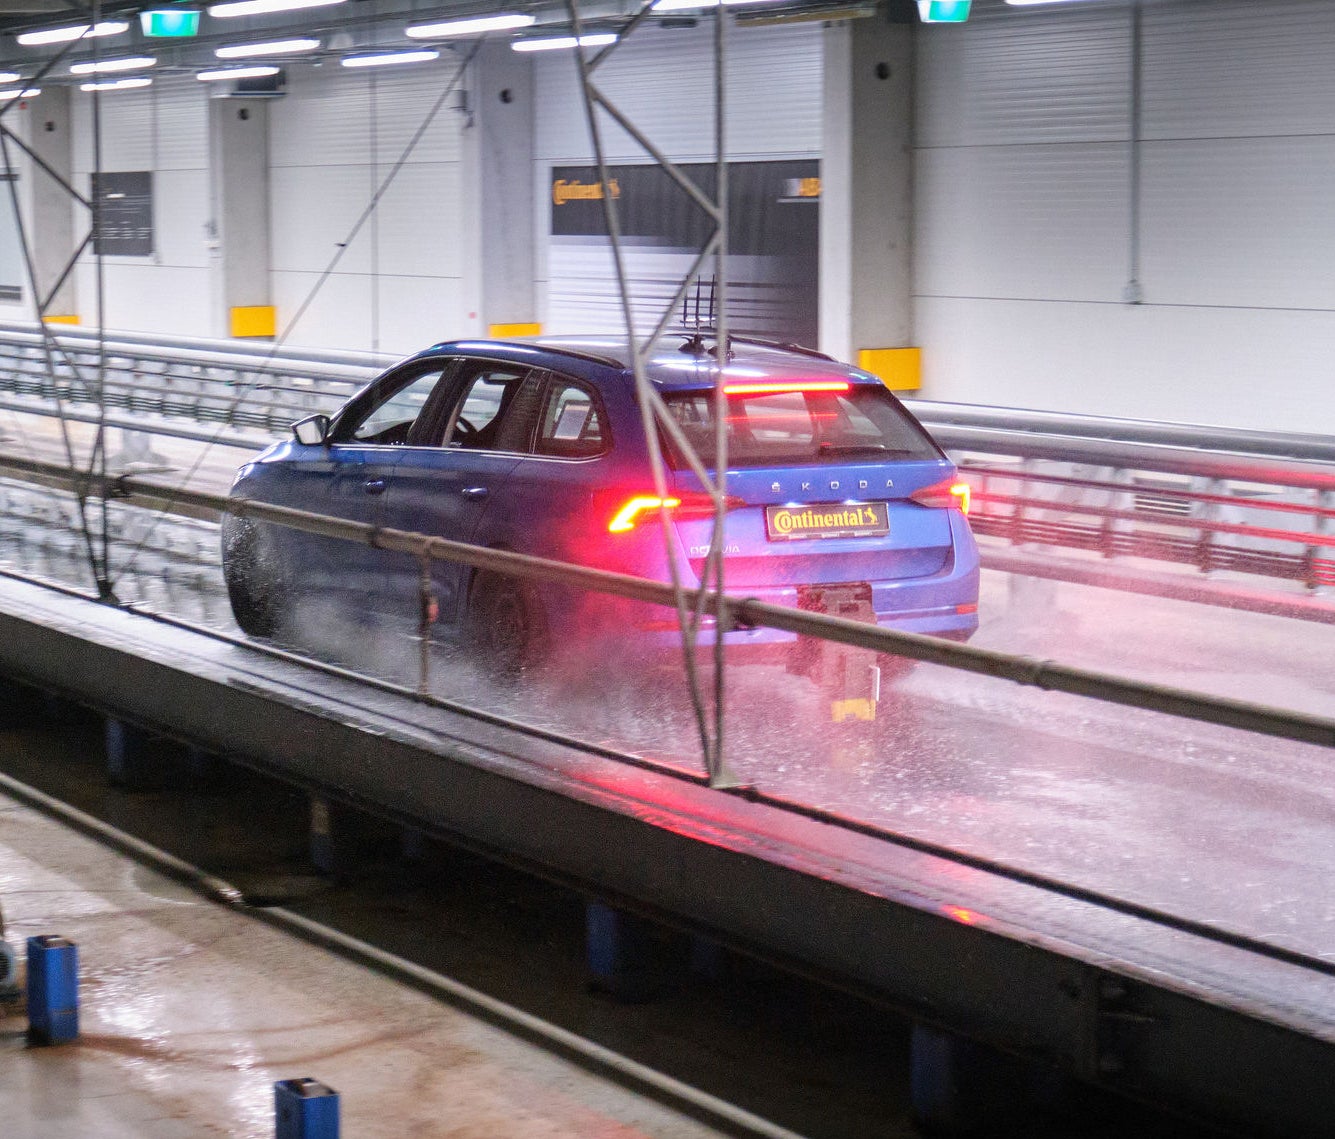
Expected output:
{"points": [[773, 239], [125, 213]]}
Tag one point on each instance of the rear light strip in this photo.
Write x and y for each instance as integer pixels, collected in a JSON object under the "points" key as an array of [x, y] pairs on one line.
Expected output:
{"points": [[641, 507], [776, 387], [944, 495]]}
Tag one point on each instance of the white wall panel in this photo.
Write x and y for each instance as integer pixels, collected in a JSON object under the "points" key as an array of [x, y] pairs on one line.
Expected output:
{"points": [[1253, 368], [334, 140], [1240, 222], [1015, 75], [1237, 67], [404, 102], [1022, 221], [314, 211], [411, 240], [144, 297], [1023, 211], [663, 80]]}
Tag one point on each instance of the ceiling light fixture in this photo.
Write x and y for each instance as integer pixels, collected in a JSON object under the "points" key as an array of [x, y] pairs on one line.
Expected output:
{"points": [[9, 77], [222, 75], [388, 58], [16, 93], [687, 5], [117, 84], [564, 43], [506, 22], [273, 47], [78, 32], [133, 63], [263, 7]]}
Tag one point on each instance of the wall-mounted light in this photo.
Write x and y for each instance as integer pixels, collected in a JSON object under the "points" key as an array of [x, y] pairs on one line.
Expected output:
{"points": [[564, 43], [223, 74], [504, 22], [273, 47], [132, 63], [78, 31], [263, 7], [388, 58], [943, 11], [117, 84]]}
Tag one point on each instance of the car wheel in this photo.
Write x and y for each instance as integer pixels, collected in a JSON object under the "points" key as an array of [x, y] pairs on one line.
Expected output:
{"points": [[254, 579], [506, 627]]}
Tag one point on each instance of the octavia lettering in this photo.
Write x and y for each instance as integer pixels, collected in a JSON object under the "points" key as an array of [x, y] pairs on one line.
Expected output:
{"points": [[842, 520]]}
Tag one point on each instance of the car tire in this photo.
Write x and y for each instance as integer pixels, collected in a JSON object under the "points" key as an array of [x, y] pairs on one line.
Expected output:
{"points": [[254, 578], [506, 627]]}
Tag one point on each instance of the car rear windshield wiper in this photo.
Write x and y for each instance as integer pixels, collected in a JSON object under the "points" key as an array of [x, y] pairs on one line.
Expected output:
{"points": [[828, 448]]}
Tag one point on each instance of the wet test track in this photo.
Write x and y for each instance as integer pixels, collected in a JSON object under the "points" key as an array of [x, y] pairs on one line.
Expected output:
{"points": [[1230, 829]]}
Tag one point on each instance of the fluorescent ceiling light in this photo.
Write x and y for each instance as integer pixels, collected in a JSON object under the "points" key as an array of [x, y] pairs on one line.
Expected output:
{"points": [[559, 43], [1026, 3], [273, 47], [117, 84], [226, 73], [686, 5], [389, 58], [9, 77], [261, 7], [503, 23], [16, 93], [79, 31], [133, 63]]}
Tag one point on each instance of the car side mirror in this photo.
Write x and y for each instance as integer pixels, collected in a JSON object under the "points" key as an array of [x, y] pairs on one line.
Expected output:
{"points": [[313, 431]]}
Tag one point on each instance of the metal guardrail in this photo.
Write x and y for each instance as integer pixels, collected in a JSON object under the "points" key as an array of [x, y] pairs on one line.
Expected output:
{"points": [[1210, 500], [738, 612]]}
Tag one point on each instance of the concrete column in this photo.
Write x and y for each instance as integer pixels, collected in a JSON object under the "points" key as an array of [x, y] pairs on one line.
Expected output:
{"points": [[239, 164], [866, 263], [502, 105], [54, 212]]}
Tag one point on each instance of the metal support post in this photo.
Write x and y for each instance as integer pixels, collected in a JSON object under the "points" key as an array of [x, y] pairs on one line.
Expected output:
{"points": [[620, 952], [132, 759], [53, 990], [305, 1109], [329, 837]]}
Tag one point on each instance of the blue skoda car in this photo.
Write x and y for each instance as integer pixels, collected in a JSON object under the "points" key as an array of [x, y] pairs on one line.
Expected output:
{"points": [[838, 499]]}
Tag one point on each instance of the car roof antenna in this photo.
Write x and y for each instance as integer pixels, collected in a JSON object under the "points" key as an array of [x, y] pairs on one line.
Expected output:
{"points": [[695, 341]]}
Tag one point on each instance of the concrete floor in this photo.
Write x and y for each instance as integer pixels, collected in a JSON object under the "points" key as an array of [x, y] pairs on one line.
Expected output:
{"points": [[190, 1012]]}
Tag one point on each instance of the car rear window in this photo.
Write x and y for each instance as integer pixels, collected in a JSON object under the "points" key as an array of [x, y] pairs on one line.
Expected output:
{"points": [[775, 429]]}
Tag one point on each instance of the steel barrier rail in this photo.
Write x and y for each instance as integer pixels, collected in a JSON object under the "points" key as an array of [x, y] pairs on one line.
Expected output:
{"points": [[235, 387], [1233, 440], [740, 611]]}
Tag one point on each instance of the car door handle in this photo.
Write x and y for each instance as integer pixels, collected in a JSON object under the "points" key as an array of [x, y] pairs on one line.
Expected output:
{"points": [[474, 492], [374, 486]]}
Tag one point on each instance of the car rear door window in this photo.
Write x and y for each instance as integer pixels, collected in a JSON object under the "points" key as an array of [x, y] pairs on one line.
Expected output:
{"points": [[573, 424]]}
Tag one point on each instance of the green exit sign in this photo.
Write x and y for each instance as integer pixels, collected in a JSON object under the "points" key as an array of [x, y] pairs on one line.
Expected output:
{"points": [[943, 11], [167, 22]]}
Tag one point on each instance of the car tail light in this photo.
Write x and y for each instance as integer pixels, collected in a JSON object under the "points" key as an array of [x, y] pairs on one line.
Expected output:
{"points": [[640, 507], [943, 495], [775, 387]]}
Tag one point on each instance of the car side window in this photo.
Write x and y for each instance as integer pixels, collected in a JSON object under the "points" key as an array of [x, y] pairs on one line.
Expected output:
{"points": [[389, 418], [573, 422], [479, 418]]}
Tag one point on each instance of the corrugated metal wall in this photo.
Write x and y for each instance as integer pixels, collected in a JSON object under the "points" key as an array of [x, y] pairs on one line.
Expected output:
{"points": [[163, 129], [663, 80], [402, 282], [1024, 210]]}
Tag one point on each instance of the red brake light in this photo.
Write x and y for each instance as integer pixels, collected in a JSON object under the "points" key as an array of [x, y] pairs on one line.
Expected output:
{"points": [[943, 495], [774, 387], [640, 507]]}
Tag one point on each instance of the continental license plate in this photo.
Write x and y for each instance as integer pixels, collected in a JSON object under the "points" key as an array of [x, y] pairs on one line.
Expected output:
{"points": [[827, 520]]}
